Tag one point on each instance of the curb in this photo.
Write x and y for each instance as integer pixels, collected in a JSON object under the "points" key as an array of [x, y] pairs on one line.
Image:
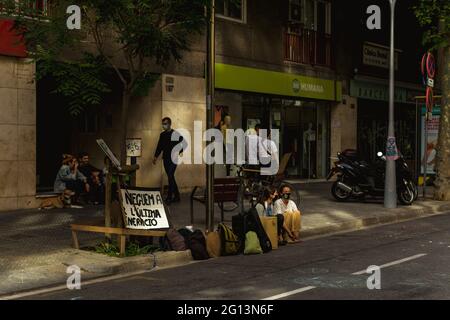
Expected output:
{"points": [[105, 265], [375, 220]]}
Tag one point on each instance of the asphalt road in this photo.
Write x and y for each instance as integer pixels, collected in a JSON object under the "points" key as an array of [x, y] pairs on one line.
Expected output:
{"points": [[414, 255]]}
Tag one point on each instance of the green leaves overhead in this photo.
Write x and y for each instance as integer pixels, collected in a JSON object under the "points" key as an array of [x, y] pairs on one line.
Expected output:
{"points": [[130, 37], [435, 16]]}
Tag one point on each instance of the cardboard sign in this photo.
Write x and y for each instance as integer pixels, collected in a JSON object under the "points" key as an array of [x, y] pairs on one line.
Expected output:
{"points": [[143, 209], [109, 153]]}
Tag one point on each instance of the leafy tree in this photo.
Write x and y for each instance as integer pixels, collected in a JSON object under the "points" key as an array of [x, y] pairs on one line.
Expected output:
{"points": [[129, 37], [435, 16]]}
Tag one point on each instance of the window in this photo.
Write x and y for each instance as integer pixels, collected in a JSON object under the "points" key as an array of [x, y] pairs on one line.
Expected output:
{"points": [[235, 10], [312, 14]]}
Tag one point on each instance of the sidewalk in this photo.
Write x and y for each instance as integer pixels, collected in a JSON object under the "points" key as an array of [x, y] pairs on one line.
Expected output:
{"points": [[35, 246]]}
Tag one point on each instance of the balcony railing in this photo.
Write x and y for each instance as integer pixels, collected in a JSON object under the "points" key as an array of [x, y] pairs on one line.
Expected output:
{"points": [[32, 8], [308, 47]]}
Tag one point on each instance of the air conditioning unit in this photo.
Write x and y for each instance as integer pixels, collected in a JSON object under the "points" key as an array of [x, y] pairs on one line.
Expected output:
{"points": [[295, 13]]}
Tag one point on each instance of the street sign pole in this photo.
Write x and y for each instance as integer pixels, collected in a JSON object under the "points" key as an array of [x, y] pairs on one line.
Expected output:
{"points": [[210, 88], [390, 189]]}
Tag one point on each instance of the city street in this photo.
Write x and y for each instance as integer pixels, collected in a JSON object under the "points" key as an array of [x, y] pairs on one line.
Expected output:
{"points": [[413, 256]]}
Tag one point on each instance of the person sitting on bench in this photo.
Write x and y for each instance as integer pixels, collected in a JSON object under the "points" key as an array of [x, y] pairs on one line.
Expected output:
{"points": [[69, 179]]}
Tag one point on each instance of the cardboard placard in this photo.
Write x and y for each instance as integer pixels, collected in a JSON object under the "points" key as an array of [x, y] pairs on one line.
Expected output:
{"points": [[143, 209], [109, 153]]}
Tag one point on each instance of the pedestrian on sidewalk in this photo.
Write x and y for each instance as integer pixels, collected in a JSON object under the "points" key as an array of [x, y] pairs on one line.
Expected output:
{"points": [[165, 146], [290, 212]]}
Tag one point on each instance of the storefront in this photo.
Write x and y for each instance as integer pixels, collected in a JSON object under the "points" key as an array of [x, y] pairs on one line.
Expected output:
{"points": [[296, 105], [373, 110]]}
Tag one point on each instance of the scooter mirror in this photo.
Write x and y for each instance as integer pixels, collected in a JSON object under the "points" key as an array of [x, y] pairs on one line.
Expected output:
{"points": [[380, 154]]}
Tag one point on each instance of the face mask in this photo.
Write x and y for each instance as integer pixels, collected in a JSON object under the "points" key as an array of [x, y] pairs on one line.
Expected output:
{"points": [[165, 127], [286, 196]]}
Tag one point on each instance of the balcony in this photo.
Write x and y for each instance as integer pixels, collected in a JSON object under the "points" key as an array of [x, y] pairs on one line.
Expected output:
{"points": [[308, 47], [32, 8]]}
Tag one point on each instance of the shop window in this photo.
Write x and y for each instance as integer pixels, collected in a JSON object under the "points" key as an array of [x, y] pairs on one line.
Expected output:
{"points": [[235, 10]]}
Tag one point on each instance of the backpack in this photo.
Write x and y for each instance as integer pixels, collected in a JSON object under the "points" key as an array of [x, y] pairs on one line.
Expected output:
{"points": [[253, 223], [252, 245], [197, 244], [229, 241], [176, 240], [239, 228]]}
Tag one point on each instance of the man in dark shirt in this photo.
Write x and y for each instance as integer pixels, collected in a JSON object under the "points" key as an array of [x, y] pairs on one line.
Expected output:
{"points": [[94, 179], [165, 146]]}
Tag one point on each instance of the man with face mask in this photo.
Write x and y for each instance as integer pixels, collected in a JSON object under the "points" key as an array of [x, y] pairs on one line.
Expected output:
{"points": [[291, 214], [165, 146]]}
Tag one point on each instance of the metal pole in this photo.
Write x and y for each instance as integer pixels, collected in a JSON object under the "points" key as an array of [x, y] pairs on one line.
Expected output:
{"points": [[425, 156], [210, 88], [390, 189]]}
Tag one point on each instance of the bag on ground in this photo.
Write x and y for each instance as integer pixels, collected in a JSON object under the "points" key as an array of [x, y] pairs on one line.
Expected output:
{"points": [[229, 241], [197, 245], [253, 223], [213, 244], [238, 225], [252, 245], [176, 240]]}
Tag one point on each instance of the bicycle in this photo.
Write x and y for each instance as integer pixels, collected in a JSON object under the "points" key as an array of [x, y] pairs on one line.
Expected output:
{"points": [[253, 184]]}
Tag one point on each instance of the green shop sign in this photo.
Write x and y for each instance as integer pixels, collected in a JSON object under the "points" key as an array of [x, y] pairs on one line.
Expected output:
{"points": [[237, 78], [374, 91]]}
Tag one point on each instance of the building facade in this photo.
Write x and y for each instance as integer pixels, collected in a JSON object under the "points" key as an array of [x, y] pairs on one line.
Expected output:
{"points": [[17, 124], [301, 66]]}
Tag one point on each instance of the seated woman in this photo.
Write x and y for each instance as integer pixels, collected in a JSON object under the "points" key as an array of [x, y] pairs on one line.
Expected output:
{"points": [[69, 179], [286, 207], [265, 209]]}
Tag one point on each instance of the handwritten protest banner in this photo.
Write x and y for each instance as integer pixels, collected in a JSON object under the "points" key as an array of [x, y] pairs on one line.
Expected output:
{"points": [[143, 210]]}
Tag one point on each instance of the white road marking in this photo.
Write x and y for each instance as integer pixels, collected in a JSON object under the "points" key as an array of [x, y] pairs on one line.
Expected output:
{"points": [[64, 287], [289, 293], [393, 263]]}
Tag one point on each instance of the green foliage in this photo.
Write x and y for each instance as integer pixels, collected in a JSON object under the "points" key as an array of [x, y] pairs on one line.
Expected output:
{"points": [[133, 249], [127, 36], [435, 16]]}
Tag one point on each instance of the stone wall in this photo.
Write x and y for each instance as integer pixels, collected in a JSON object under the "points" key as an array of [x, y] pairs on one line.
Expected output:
{"points": [[17, 134], [344, 126]]}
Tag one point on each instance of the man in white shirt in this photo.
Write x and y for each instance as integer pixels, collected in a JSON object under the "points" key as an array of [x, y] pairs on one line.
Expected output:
{"points": [[268, 151], [252, 142]]}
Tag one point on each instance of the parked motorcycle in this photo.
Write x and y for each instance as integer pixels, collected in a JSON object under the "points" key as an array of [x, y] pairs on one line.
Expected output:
{"points": [[356, 178]]}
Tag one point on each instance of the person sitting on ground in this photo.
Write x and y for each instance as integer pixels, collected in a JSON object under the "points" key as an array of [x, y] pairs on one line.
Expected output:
{"points": [[290, 212], [94, 179], [265, 209], [69, 179]]}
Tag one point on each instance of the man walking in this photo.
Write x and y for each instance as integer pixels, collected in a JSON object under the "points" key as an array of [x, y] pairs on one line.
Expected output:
{"points": [[165, 146]]}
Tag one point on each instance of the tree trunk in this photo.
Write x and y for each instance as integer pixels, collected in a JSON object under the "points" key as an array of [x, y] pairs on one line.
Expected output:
{"points": [[442, 191], [126, 97]]}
